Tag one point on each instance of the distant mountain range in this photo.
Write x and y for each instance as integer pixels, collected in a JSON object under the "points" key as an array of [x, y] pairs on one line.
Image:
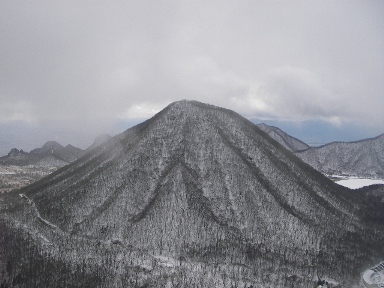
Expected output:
{"points": [[50, 154], [68, 153], [196, 196], [19, 168], [364, 158]]}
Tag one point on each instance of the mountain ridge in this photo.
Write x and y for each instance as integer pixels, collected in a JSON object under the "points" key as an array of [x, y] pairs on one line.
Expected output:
{"points": [[62, 154], [196, 190], [344, 142], [291, 143], [363, 158]]}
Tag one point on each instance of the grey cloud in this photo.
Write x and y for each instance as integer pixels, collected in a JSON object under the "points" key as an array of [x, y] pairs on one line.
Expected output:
{"points": [[299, 93], [90, 62]]}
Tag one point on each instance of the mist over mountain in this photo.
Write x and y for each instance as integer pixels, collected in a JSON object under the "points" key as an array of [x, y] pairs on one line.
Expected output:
{"points": [[364, 158], [196, 196], [289, 142], [99, 140]]}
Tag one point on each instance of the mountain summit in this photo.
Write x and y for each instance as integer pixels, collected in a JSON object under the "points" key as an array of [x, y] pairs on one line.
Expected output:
{"points": [[196, 196]]}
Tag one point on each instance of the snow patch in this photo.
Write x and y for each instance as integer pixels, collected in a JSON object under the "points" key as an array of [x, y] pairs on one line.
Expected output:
{"points": [[166, 261], [355, 183]]}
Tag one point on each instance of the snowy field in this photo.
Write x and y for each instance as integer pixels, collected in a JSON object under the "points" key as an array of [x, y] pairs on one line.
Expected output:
{"points": [[355, 183], [16, 177]]}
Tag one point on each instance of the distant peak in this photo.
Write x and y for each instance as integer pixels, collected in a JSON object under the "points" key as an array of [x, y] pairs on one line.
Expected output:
{"points": [[48, 147], [52, 144], [262, 125], [14, 151]]}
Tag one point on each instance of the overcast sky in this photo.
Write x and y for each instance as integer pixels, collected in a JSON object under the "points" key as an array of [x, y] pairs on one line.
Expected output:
{"points": [[88, 63]]}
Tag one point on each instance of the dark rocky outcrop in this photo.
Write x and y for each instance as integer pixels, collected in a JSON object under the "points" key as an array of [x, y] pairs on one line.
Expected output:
{"points": [[18, 157]]}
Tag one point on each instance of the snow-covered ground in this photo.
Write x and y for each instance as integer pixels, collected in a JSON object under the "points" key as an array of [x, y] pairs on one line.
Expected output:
{"points": [[16, 177], [355, 183], [373, 277]]}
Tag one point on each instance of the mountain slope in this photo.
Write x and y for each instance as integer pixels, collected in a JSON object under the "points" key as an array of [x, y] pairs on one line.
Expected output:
{"points": [[48, 148], [99, 140], [288, 142], [363, 158], [197, 196]]}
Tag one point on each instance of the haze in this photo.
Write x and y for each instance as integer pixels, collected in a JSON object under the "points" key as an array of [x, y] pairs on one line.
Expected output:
{"points": [[71, 70]]}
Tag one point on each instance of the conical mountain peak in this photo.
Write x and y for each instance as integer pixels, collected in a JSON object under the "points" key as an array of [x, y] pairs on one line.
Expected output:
{"points": [[202, 184], [52, 145], [213, 144]]}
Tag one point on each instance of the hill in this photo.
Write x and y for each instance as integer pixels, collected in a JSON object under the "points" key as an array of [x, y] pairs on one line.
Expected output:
{"points": [[68, 153], [364, 158]]}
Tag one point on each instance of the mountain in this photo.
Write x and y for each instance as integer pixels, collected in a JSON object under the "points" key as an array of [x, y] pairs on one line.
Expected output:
{"points": [[48, 148], [50, 153], [18, 157], [67, 154], [196, 196], [289, 142], [364, 158]]}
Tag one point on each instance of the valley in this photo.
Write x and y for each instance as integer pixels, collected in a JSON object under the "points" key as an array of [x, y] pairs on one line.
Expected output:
{"points": [[15, 177]]}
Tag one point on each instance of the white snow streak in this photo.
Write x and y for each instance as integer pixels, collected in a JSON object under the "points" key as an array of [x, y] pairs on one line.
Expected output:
{"points": [[355, 183]]}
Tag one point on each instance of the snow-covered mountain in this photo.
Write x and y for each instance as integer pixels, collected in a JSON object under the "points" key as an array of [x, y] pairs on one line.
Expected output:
{"points": [[196, 196], [289, 142], [364, 158]]}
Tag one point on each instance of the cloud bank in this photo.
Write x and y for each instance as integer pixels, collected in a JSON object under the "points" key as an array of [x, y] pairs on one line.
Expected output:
{"points": [[91, 63]]}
